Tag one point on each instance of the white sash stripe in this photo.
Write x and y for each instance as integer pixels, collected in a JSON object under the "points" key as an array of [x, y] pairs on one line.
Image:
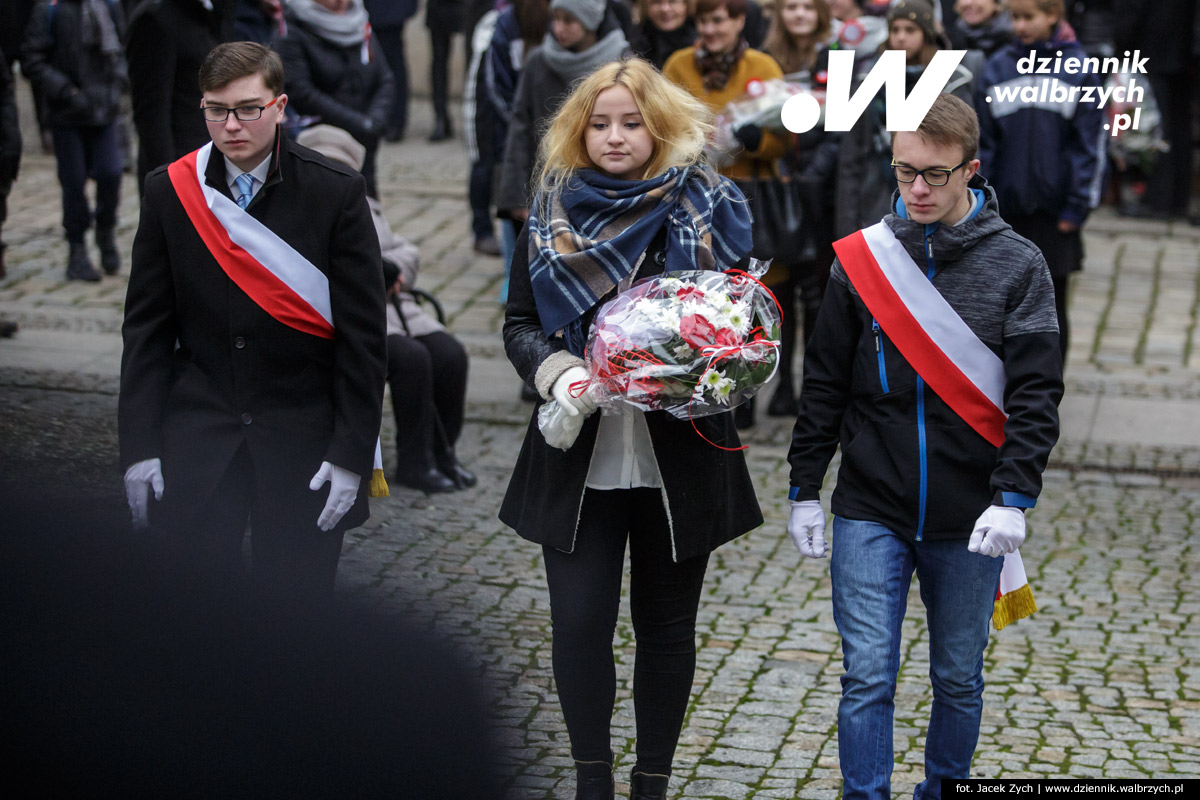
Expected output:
{"points": [[935, 316], [276, 255]]}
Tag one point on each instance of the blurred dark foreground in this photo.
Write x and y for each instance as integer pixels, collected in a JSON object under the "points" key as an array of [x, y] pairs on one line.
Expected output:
{"points": [[123, 676]]}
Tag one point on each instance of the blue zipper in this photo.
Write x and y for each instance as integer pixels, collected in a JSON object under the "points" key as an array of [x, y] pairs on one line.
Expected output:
{"points": [[922, 450], [879, 354]]}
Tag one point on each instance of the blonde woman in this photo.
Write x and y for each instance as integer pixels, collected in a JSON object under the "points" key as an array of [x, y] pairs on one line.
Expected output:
{"points": [[622, 194]]}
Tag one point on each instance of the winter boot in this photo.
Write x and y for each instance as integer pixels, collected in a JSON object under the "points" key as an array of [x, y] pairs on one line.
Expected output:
{"points": [[594, 780], [646, 786], [110, 259], [79, 266]]}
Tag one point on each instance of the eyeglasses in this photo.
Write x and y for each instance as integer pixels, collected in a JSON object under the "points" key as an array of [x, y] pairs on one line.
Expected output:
{"points": [[934, 176], [243, 114]]}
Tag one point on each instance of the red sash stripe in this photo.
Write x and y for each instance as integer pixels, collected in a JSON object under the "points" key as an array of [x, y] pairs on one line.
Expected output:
{"points": [[264, 288], [942, 375]]}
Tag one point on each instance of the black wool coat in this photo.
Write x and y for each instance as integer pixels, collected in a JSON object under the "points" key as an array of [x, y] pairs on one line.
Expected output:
{"points": [[205, 370], [708, 493]]}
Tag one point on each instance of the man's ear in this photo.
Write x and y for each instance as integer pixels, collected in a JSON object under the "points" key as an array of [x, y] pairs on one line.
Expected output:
{"points": [[972, 168], [281, 103]]}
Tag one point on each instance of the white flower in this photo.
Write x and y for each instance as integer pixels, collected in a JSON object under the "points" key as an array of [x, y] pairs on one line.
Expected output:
{"points": [[721, 390], [712, 378], [739, 318]]}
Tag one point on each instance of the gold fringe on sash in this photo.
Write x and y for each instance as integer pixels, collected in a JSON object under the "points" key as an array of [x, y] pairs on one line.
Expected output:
{"points": [[1017, 604]]}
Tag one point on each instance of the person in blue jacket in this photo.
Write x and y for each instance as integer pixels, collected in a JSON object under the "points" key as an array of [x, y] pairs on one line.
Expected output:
{"points": [[1045, 159]]}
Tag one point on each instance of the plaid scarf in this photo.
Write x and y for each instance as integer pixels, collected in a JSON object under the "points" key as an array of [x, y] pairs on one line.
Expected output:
{"points": [[587, 236], [715, 68]]}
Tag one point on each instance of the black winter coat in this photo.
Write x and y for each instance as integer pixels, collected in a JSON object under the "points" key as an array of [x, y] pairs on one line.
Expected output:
{"points": [[206, 371], [10, 129], [165, 46], [708, 493], [330, 81], [81, 86]]}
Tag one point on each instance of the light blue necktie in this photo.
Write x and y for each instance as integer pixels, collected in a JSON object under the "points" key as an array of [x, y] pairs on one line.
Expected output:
{"points": [[244, 183]]}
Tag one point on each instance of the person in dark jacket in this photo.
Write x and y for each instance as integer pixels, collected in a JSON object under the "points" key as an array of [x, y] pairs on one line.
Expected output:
{"points": [[920, 487], [231, 398], [666, 26], [982, 25], [336, 71], [387, 24], [1046, 163], [166, 42], [584, 35], [641, 477], [72, 53]]}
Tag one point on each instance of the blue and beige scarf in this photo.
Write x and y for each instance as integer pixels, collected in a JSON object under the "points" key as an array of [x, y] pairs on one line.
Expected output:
{"points": [[589, 235]]}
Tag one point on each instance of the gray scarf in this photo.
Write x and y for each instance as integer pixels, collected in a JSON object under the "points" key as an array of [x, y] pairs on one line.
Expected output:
{"points": [[98, 28], [346, 29], [570, 66]]}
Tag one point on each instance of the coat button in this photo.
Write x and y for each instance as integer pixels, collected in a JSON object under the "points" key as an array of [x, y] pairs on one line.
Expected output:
{"points": [[239, 343], [247, 419]]}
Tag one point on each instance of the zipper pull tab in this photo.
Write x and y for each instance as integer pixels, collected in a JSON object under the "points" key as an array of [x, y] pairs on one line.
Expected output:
{"points": [[929, 247], [875, 330]]}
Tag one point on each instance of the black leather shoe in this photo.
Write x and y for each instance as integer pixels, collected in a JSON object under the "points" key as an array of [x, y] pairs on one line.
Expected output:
{"points": [[462, 477], [487, 245], [594, 781], [79, 266], [8, 329], [110, 259], [430, 481], [648, 787], [441, 130]]}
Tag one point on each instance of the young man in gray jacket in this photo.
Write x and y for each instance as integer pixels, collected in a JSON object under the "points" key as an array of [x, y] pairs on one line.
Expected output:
{"points": [[935, 365]]}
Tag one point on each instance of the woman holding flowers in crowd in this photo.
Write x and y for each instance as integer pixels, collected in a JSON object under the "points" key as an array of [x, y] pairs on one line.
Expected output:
{"points": [[622, 194]]}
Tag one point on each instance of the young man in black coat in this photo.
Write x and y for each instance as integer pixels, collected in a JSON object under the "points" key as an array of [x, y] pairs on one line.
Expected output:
{"points": [[253, 374]]}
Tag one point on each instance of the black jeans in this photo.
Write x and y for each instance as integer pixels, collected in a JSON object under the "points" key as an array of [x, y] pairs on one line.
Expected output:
{"points": [[585, 593], [391, 41], [84, 153], [428, 376]]}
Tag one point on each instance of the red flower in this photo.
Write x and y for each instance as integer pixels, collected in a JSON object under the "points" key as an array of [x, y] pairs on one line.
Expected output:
{"points": [[689, 291], [696, 331], [727, 337]]}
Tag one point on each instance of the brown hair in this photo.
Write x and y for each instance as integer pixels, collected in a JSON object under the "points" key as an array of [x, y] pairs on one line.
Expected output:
{"points": [[227, 62], [735, 8], [1056, 8], [797, 53], [950, 121]]}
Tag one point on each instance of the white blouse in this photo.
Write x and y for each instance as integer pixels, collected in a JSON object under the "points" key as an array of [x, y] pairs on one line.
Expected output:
{"points": [[624, 456]]}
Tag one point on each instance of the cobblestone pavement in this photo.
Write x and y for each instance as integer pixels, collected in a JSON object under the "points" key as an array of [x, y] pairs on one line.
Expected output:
{"points": [[1102, 681]]}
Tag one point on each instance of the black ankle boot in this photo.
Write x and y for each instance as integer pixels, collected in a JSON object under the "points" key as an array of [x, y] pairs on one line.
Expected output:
{"points": [[647, 786], [594, 780], [79, 266], [442, 130], [449, 465], [110, 259]]}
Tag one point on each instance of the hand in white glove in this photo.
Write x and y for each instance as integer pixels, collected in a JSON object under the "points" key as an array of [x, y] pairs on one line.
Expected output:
{"points": [[343, 491], [561, 391], [140, 478], [999, 531], [807, 528]]}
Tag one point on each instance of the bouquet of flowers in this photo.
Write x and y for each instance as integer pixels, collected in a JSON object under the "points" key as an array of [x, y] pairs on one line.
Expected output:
{"points": [[689, 343], [762, 105]]}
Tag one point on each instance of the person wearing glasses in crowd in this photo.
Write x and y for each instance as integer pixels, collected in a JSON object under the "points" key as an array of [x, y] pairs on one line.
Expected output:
{"points": [[935, 366], [664, 26], [255, 342]]}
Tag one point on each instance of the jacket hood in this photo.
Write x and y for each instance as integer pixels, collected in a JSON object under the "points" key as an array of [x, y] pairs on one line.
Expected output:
{"points": [[950, 242]]}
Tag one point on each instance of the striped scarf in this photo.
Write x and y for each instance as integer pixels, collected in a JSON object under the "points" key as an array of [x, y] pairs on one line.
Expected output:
{"points": [[585, 237]]}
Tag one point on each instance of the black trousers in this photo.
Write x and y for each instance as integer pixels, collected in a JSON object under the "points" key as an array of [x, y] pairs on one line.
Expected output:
{"points": [[585, 593], [391, 41], [428, 378], [292, 557], [1063, 253], [83, 153], [440, 40]]}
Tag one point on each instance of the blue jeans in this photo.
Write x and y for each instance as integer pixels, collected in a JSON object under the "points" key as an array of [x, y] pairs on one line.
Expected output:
{"points": [[871, 571]]}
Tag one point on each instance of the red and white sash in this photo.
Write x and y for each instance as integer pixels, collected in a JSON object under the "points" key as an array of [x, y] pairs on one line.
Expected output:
{"points": [[277, 278], [945, 352], [930, 335]]}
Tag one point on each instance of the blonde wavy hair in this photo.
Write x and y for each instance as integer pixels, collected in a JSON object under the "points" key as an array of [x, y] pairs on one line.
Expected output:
{"points": [[679, 123]]}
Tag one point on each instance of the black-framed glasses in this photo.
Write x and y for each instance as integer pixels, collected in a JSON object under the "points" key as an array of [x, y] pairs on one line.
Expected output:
{"points": [[242, 113], [934, 176]]}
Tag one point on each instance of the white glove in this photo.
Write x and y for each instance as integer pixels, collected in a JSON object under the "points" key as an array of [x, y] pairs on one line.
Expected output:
{"points": [[807, 528], [999, 531], [561, 391], [343, 491], [140, 478]]}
